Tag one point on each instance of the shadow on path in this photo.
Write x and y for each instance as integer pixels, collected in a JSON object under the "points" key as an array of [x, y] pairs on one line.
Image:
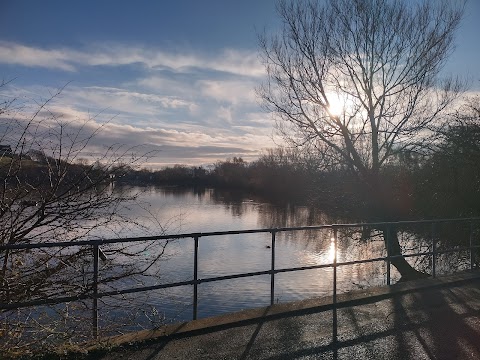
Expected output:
{"points": [[253, 337], [423, 325], [435, 323]]}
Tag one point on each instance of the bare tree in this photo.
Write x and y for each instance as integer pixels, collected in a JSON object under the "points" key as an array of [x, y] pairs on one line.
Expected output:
{"points": [[359, 79], [50, 193]]}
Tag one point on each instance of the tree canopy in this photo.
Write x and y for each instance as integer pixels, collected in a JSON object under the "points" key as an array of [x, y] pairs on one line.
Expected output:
{"points": [[360, 79]]}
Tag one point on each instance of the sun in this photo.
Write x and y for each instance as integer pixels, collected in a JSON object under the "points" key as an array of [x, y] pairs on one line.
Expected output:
{"points": [[336, 105]]}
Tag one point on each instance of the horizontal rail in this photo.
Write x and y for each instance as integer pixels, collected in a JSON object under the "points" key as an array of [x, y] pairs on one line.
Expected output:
{"points": [[234, 276], [46, 301], [86, 296], [463, 248], [153, 238], [444, 251], [99, 242]]}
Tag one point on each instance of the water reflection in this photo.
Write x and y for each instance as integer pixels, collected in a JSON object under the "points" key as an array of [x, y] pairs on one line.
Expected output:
{"points": [[332, 251], [204, 210]]}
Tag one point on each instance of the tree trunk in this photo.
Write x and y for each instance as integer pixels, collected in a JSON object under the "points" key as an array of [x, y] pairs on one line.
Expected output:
{"points": [[384, 208], [394, 250]]}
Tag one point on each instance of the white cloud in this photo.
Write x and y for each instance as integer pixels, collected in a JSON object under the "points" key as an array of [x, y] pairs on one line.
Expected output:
{"points": [[175, 87], [11, 53], [177, 142], [240, 62], [199, 146], [231, 91], [190, 105], [224, 113], [245, 63], [119, 100], [259, 119]]}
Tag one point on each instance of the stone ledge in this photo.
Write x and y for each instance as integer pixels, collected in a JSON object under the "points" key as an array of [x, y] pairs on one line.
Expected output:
{"points": [[277, 311]]}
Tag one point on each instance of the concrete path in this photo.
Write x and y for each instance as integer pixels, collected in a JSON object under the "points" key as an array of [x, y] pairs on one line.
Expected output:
{"points": [[427, 319]]}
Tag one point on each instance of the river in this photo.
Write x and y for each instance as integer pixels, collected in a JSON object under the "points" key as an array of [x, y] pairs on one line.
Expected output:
{"points": [[172, 210], [188, 210]]}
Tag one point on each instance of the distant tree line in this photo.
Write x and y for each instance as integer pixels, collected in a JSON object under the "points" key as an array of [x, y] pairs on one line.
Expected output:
{"points": [[442, 180]]}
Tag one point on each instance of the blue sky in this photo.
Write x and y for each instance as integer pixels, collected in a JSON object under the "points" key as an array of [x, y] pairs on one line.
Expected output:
{"points": [[179, 76]]}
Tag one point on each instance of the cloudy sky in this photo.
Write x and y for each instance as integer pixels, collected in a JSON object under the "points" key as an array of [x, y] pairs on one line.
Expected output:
{"points": [[177, 75]]}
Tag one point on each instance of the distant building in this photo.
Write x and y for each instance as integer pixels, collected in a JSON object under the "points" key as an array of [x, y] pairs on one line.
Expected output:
{"points": [[6, 150]]}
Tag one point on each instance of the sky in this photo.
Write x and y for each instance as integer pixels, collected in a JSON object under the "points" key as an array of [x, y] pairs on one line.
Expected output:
{"points": [[178, 76]]}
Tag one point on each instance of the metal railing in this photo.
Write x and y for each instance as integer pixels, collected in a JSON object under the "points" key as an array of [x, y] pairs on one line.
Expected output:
{"points": [[386, 227]]}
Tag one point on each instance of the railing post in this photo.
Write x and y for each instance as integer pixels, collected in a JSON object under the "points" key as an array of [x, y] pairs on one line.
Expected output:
{"points": [[95, 292], [388, 254], [195, 279], [434, 251], [472, 252], [272, 271], [335, 238]]}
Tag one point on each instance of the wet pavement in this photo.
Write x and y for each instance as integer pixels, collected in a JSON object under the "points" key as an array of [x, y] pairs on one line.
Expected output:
{"points": [[426, 319]]}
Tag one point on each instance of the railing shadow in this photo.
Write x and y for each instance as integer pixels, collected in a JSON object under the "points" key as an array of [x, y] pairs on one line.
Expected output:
{"points": [[436, 324]]}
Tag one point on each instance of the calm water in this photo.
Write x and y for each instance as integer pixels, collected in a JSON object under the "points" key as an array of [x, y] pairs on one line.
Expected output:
{"points": [[176, 211], [189, 210]]}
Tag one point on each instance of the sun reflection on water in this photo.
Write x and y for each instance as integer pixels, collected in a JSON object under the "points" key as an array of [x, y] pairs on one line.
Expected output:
{"points": [[331, 251], [319, 257]]}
